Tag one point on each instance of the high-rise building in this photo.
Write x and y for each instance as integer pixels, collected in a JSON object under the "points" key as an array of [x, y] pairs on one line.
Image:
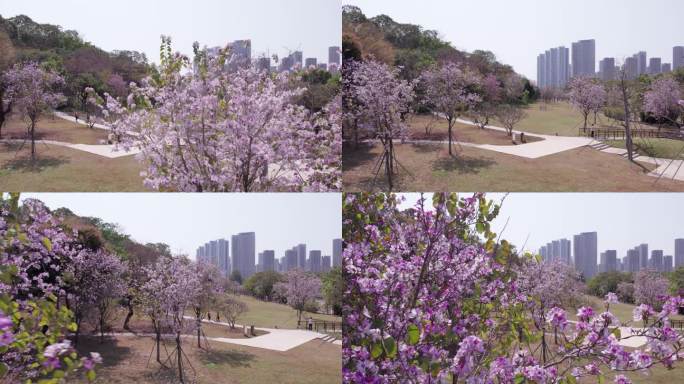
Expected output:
{"points": [[286, 63], [654, 66], [679, 253], [243, 251], [310, 62], [224, 257], [557, 250], [609, 261], [216, 253], [334, 56], [667, 263], [607, 69], [585, 253], [264, 64], [301, 256], [267, 261], [631, 263], [656, 261], [584, 58], [553, 68], [631, 68], [337, 253], [315, 261], [642, 65], [290, 261], [297, 58], [677, 57], [643, 255], [240, 53], [323, 66], [325, 264], [665, 68]]}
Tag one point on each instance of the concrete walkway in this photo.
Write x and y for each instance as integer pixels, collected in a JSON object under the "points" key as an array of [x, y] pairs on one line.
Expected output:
{"points": [[71, 118], [276, 339], [106, 150], [551, 144]]}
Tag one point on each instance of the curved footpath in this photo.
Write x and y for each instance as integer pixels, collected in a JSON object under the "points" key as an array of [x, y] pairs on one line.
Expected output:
{"points": [[551, 144], [275, 340], [110, 151]]}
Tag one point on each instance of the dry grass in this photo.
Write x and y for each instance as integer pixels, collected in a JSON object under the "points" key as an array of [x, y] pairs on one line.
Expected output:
{"points": [[438, 129], [60, 169], [126, 361], [53, 128], [472, 169]]}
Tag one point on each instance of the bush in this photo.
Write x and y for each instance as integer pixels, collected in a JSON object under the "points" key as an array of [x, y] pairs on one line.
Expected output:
{"points": [[606, 282]]}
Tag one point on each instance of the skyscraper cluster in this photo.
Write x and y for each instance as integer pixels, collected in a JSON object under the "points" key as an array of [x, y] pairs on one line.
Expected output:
{"points": [[296, 60], [238, 254], [584, 247], [556, 66], [215, 252], [240, 56]]}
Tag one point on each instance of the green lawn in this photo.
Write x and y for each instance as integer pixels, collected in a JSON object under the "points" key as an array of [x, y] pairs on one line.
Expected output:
{"points": [[555, 119], [271, 315], [664, 148], [61, 169], [126, 361], [50, 127], [622, 311]]}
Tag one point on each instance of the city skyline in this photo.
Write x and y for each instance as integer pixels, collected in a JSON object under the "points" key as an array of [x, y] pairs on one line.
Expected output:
{"points": [[185, 221], [622, 220], [274, 27], [556, 66], [517, 34], [239, 253]]}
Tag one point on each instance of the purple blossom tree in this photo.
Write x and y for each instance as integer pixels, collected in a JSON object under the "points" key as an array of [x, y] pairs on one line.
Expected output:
{"points": [[32, 92], [300, 288], [209, 288], [96, 281], [175, 284], [662, 100], [651, 288], [432, 296], [381, 100], [217, 130], [451, 90], [587, 96], [34, 252], [491, 95]]}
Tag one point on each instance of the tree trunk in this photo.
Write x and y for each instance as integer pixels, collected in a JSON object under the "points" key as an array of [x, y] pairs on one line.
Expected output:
{"points": [[180, 356], [33, 140], [628, 132], [450, 125], [158, 332], [199, 330], [129, 305], [585, 121]]}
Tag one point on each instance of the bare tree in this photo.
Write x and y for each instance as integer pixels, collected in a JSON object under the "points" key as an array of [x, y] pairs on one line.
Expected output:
{"points": [[510, 115], [231, 309]]}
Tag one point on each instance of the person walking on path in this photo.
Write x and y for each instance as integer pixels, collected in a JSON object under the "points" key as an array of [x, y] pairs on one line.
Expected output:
{"points": [[310, 323]]}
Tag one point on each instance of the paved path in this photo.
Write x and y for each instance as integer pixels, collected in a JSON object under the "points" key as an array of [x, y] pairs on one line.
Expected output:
{"points": [[551, 144], [276, 339], [106, 150], [71, 118]]}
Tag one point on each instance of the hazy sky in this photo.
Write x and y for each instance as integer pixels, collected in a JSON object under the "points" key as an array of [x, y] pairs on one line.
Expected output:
{"points": [[622, 220], [188, 220], [517, 31], [272, 25]]}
